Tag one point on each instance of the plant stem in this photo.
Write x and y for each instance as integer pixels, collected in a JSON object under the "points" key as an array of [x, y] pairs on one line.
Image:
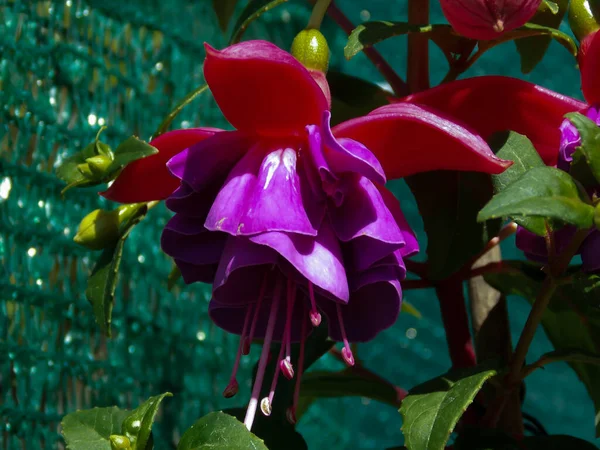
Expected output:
{"points": [[534, 319], [397, 84], [318, 13], [456, 322], [418, 47]]}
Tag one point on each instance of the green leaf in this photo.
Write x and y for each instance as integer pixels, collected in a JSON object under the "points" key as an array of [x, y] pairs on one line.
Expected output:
{"points": [[347, 383], [572, 320], [219, 430], [131, 149], [489, 439], [102, 282], [251, 12], [90, 429], [137, 426], [166, 123], [353, 97], [519, 149], [590, 141], [370, 33], [541, 192], [531, 30], [566, 355], [533, 49], [450, 217], [431, 410], [224, 9]]}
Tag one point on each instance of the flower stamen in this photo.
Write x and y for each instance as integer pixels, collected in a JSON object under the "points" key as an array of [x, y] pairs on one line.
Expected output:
{"points": [[262, 363], [291, 411], [286, 363], [233, 386], [346, 351], [315, 317], [266, 403], [261, 295]]}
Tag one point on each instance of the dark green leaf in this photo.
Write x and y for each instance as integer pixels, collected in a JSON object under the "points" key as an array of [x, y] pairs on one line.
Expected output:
{"points": [[449, 202], [567, 355], [431, 410], [590, 141], [572, 320], [489, 439], [219, 430], [532, 49], [370, 33], [541, 192], [129, 150], [251, 12], [531, 30], [90, 429], [353, 97], [166, 123], [102, 283], [519, 149], [224, 9], [137, 426], [347, 383]]}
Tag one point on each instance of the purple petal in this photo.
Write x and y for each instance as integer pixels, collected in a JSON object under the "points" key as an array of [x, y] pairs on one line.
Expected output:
{"points": [[534, 246], [231, 317], [192, 273], [411, 246], [210, 159], [372, 308], [188, 202], [201, 248], [318, 259], [241, 271], [255, 192], [590, 252], [395, 260], [347, 155], [329, 183], [570, 139]]}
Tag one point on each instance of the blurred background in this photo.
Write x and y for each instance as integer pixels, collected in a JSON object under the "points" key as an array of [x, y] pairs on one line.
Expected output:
{"points": [[67, 67]]}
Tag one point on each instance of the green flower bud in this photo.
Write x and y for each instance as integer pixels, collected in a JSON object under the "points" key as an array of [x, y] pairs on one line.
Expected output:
{"points": [[98, 164], [583, 17], [311, 49], [118, 442], [98, 230], [85, 170]]}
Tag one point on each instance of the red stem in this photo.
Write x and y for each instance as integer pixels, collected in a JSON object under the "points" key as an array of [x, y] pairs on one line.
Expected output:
{"points": [[456, 322], [397, 84]]}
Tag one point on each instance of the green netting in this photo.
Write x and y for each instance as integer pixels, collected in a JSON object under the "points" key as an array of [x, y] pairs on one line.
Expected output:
{"points": [[70, 66]]}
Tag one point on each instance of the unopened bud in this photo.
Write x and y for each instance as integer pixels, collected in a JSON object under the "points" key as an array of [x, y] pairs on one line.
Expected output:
{"points": [[488, 19], [583, 18], [311, 49], [98, 164], [98, 230], [118, 442]]}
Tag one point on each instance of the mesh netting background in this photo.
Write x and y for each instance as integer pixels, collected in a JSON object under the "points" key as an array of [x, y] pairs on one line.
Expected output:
{"points": [[66, 68]]}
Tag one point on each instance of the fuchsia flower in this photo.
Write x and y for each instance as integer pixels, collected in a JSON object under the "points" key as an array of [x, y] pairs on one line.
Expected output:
{"points": [[488, 19], [288, 218], [534, 246]]}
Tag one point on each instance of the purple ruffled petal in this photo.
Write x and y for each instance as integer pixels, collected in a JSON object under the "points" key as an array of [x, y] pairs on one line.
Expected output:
{"points": [[231, 317], [372, 308], [329, 183], [184, 241], [318, 259], [570, 139], [209, 160], [192, 273], [411, 246], [262, 183], [347, 155], [590, 252], [241, 271], [534, 246]]}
